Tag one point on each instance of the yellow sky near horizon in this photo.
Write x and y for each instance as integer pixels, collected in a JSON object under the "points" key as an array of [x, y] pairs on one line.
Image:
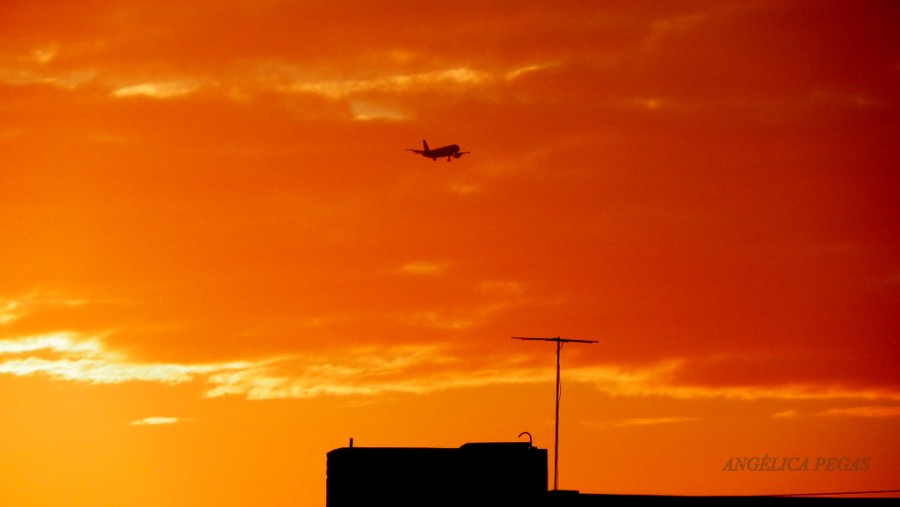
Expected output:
{"points": [[218, 261]]}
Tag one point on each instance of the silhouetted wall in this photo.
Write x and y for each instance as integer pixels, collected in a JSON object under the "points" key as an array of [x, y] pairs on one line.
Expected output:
{"points": [[475, 474]]}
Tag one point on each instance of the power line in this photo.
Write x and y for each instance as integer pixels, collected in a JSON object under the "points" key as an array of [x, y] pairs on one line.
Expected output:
{"points": [[872, 492]]}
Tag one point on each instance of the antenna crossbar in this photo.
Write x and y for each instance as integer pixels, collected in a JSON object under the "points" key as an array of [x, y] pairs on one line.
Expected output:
{"points": [[557, 339]]}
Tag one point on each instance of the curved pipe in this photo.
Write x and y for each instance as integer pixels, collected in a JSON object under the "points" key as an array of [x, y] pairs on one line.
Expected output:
{"points": [[530, 440]]}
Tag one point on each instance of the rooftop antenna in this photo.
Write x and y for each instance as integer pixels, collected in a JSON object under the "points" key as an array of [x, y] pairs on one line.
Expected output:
{"points": [[559, 341]]}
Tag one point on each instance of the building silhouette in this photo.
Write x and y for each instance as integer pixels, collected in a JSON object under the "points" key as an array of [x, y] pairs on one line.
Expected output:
{"points": [[474, 474], [497, 474]]}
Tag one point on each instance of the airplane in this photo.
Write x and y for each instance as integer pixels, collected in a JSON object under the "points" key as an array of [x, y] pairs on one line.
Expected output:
{"points": [[444, 151]]}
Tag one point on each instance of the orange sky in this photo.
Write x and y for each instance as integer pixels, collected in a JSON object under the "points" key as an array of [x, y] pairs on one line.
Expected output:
{"points": [[218, 262]]}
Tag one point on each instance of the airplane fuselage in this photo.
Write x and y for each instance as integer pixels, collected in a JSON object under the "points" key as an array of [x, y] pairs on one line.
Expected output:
{"points": [[444, 151], [449, 151]]}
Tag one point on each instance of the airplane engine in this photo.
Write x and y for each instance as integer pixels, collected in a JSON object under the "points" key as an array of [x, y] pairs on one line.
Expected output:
{"points": [[457, 155]]}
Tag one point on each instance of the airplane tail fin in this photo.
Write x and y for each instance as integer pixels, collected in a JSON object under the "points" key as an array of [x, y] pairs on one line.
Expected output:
{"points": [[425, 144]]}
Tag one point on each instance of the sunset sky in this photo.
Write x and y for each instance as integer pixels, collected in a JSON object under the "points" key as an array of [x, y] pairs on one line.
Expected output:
{"points": [[218, 261]]}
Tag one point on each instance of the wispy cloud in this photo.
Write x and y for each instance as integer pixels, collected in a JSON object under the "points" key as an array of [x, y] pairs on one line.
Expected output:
{"points": [[10, 311], [75, 357], [647, 421], [69, 356], [872, 411], [454, 77], [158, 90], [659, 379], [158, 421], [365, 110], [337, 89], [81, 357], [43, 55], [362, 371], [23, 75], [13, 309], [437, 319], [527, 69], [424, 268], [62, 342]]}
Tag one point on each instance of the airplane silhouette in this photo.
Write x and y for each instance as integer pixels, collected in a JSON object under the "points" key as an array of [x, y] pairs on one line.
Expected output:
{"points": [[444, 151]]}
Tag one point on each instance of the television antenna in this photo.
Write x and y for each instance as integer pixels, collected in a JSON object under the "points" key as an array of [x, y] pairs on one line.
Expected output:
{"points": [[559, 342]]}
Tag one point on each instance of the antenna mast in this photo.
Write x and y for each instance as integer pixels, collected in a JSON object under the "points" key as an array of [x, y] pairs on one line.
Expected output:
{"points": [[559, 341]]}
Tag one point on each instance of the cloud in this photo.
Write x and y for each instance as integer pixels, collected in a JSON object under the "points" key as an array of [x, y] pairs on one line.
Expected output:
{"points": [[359, 371], [75, 357], [337, 89], [647, 421], [158, 90], [662, 379], [69, 356], [437, 319], [105, 370], [873, 411], [43, 55], [365, 110], [371, 370], [424, 268], [454, 78], [62, 342], [13, 309], [157, 421], [34, 73], [10, 311], [527, 69]]}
